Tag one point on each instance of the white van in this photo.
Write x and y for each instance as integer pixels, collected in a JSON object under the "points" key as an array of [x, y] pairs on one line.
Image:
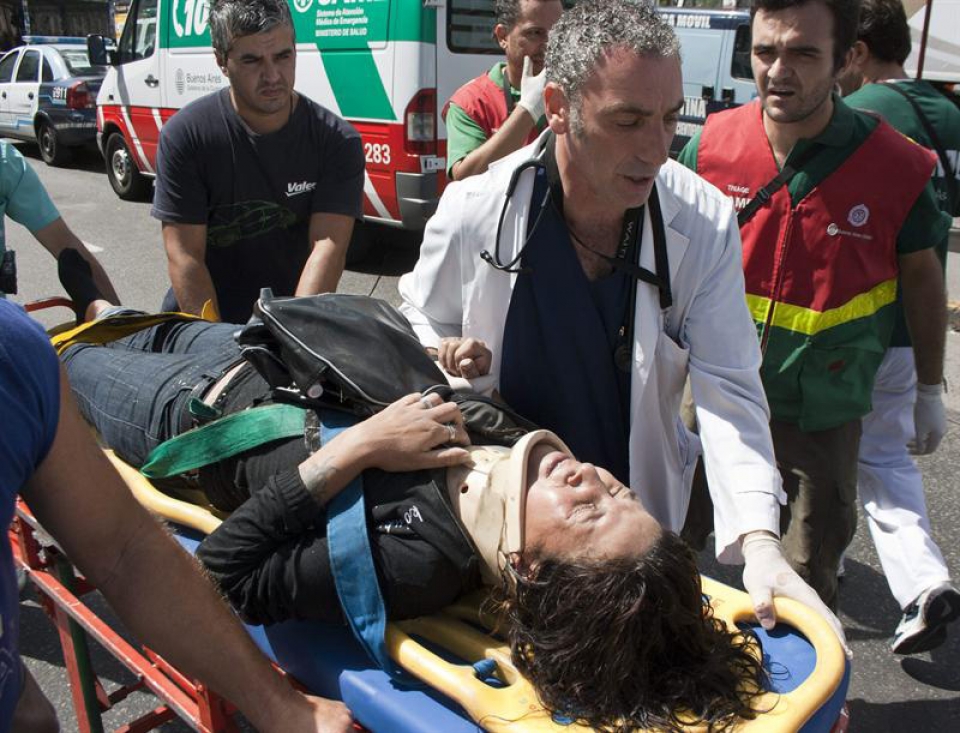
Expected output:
{"points": [[715, 48]]}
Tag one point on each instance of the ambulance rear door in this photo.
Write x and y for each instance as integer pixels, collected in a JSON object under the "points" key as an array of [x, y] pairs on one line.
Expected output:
{"points": [[466, 48]]}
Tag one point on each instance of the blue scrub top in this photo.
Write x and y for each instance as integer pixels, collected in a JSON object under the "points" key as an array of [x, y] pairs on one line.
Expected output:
{"points": [[561, 332]]}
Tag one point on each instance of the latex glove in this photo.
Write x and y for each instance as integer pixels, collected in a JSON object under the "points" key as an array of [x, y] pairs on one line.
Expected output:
{"points": [[929, 419], [766, 573], [531, 90]]}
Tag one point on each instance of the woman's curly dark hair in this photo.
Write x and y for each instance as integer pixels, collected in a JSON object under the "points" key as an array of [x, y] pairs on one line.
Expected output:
{"points": [[630, 643]]}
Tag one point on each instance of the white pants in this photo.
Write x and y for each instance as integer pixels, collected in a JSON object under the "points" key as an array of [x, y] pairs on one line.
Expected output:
{"points": [[891, 487]]}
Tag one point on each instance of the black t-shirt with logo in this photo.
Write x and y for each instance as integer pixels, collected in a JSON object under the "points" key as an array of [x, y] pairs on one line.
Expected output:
{"points": [[255, 193]]}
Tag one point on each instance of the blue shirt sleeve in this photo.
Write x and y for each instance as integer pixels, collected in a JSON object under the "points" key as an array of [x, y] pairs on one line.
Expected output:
{"points": [[29, 409], [29, 396], [27, 201]]}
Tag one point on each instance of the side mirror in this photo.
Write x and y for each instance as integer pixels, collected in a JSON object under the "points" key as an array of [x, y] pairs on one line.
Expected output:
{"points": [[102, 51]]}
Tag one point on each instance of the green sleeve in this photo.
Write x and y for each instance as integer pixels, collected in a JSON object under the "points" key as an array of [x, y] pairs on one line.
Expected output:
{"points": [[464, 135], [27, 201], [925, 226], [688, 156]]}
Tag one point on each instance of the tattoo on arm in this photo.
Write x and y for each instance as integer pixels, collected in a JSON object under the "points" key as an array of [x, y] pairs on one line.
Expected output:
{"points": [[317, 479]]}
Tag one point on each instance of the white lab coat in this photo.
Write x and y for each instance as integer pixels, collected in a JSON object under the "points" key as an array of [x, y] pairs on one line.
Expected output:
{"points": [[708, 333]]}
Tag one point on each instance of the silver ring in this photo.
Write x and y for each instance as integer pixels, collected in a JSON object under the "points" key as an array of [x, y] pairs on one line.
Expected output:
{"points": [[452, 429]]}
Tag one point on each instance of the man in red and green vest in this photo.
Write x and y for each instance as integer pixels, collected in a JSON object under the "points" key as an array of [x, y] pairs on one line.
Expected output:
{"points": [[845, 208], [502, 110]]}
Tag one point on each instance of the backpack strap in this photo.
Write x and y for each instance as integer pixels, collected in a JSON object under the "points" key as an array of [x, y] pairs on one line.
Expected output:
{"points": [[949, 173], [776, 183]]}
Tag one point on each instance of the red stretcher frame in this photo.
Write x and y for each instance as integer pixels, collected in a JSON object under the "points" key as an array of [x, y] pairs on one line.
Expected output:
{"points": [[61, 590]]}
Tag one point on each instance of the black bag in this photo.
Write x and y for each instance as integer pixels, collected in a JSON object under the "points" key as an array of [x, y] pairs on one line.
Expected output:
{"points": [[345, 351]]}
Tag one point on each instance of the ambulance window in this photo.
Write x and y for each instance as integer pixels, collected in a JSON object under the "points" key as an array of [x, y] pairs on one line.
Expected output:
{"points": [[470, 27], [740, 66], [139, 37], [6, 66], [29, 66]]}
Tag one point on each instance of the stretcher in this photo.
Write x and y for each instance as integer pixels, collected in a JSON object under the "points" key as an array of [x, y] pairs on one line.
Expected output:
{"points": [[470, 682], [809, 673]]}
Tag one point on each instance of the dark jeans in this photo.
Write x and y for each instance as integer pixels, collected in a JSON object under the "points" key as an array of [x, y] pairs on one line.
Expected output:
{"points": [[135, 391]]}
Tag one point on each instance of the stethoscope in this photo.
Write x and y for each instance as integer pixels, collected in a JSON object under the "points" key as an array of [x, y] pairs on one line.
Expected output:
{"points": [[659, 279], [537, 163]]}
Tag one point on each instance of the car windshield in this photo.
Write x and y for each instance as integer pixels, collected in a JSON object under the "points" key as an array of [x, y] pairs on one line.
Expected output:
{"points": [[79, 63]]}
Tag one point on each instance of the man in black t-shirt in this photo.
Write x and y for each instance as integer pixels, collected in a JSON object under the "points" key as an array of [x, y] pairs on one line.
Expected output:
{"points": [[257, 186]]}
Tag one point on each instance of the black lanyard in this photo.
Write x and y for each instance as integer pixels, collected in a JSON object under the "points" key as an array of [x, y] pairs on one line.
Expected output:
{"points": [[631, 240], [630, 231]]}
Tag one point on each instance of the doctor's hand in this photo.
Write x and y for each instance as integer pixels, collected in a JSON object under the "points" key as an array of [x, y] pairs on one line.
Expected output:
{"points": [[464, 357], [531, 90], [766, 573], [929, 419]]}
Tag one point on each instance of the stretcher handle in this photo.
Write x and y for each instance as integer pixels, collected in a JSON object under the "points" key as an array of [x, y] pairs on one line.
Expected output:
{"points": [[793, 709]]}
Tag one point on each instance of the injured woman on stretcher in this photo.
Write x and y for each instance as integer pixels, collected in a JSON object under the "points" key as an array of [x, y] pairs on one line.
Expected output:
{"points": [[603, 608]]}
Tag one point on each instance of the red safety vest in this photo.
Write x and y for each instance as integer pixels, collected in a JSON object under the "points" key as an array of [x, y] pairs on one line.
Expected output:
{"points": [[486, 105], [821, 275]]}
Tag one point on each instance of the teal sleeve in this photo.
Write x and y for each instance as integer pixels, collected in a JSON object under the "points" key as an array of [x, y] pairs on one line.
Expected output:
{"points": [[925, 225], [464, 135], [688, 156], [27, 201]]}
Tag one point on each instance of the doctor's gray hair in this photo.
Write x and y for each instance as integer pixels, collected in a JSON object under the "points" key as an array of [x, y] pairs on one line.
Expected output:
{"points": [[231, 19], [593, 28]]}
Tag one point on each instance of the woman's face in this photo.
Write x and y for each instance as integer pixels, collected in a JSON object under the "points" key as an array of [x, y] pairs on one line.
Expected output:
{"points": [[576, 510]]}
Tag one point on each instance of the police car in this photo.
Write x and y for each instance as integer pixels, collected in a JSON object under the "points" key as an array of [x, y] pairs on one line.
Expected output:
{"points": [[48, 93]]}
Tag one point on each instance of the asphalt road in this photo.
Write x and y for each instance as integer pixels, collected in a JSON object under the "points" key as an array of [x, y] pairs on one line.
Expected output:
{"points": [[887, 693]]}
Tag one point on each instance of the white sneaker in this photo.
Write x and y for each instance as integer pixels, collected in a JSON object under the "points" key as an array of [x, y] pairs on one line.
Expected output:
{"points": [[924, 623]]}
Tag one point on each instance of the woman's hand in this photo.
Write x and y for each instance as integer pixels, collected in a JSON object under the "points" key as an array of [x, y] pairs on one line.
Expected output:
{"points": [[464, 357], [413, 433]]}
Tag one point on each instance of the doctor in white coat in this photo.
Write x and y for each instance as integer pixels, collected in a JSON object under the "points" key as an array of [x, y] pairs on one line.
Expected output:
{"points": [[613, 97]]}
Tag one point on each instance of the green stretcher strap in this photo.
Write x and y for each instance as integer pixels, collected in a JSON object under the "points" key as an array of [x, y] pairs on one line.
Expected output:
{"points": [[224, 438]]}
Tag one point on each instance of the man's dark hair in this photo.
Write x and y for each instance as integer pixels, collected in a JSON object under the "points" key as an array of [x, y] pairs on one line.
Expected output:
{"points": [[845, 15], [884, 29], [508, 12], [231, 19], [627, 644]]}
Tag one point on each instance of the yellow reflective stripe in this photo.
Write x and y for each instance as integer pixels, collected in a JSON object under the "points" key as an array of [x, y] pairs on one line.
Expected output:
{"points": [[808, 321]]}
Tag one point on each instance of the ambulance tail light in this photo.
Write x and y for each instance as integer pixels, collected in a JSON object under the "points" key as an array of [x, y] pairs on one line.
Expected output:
{"points": [[79, 97], [420, 130]]}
